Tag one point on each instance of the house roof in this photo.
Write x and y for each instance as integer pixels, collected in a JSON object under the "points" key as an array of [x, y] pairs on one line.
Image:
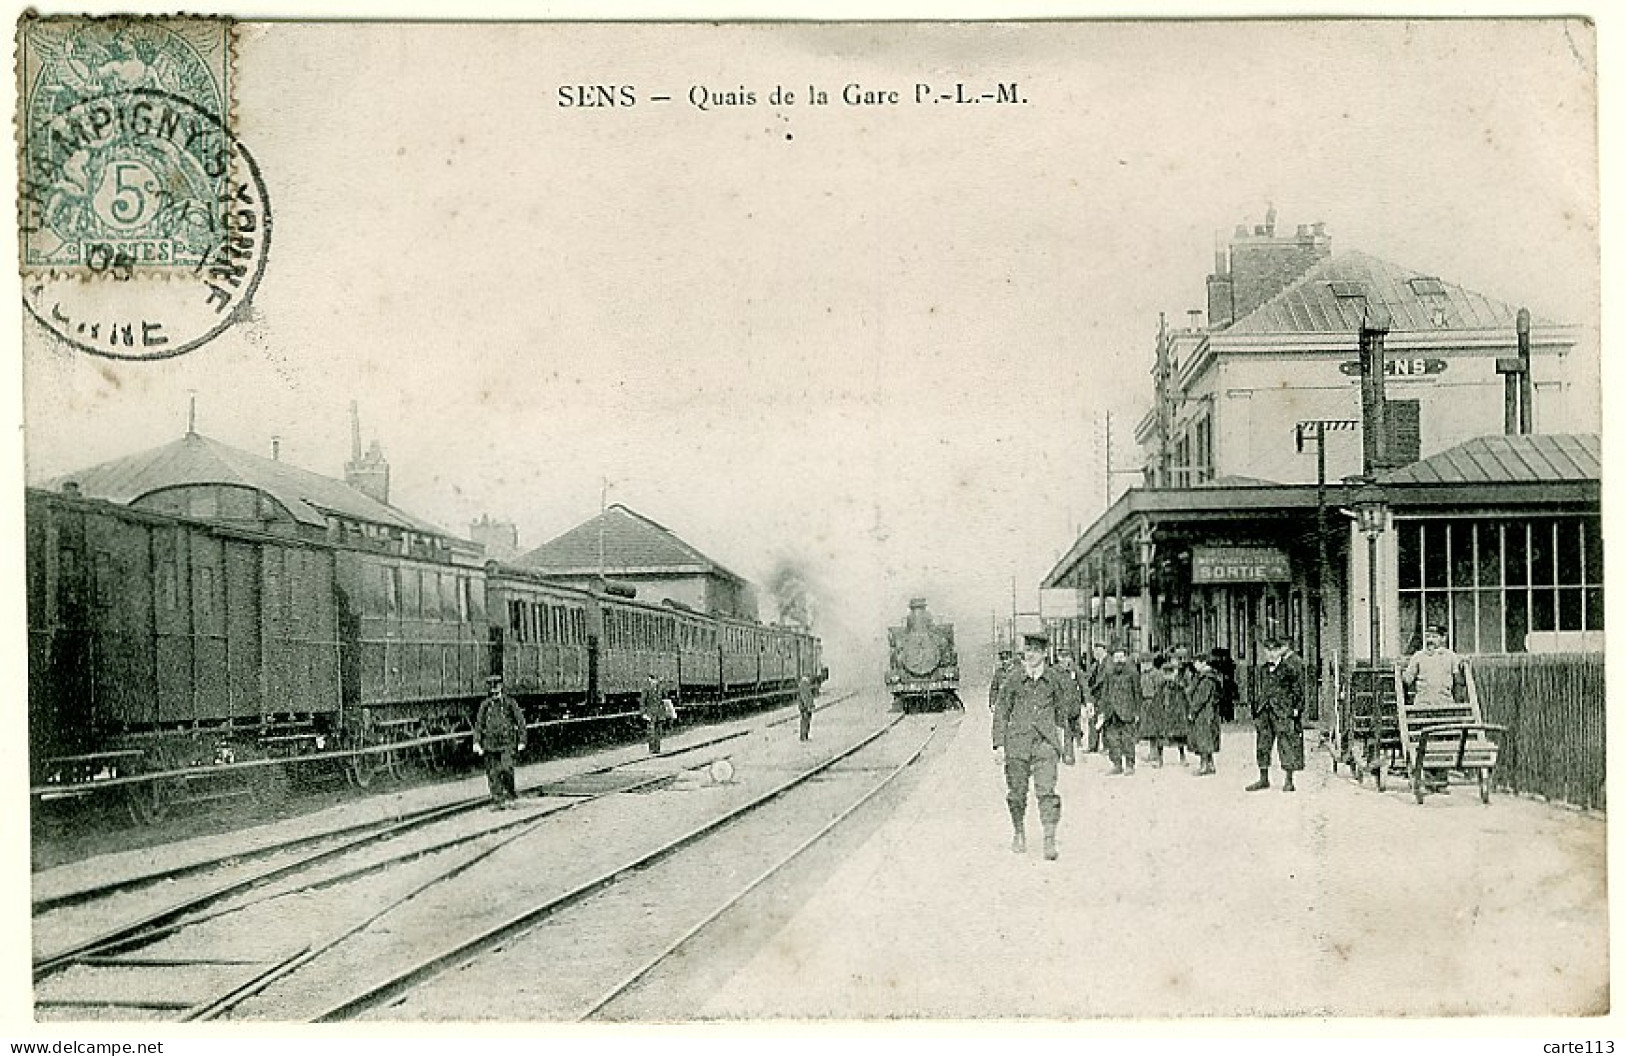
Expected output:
{"points": [[632, 543], [196, 459], [1532, 459], [1415, 301]]}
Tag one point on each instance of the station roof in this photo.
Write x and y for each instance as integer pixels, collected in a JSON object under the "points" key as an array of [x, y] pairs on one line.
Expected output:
{"points": [[1415, 300], [632, 545], [196, 460], [1532, 459]]}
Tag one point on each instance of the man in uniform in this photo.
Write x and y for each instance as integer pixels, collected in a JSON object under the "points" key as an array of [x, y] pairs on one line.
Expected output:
{"points": [[804, 703], [1278, 714], [653, 705], [1001, 672], [1035, 705], [1118, 711], [499, 735]]}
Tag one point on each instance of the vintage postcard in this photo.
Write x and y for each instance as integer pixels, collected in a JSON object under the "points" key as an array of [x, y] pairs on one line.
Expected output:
{"points": [[717, 523]]}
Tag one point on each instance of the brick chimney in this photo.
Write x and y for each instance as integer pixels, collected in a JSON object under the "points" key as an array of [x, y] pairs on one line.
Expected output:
{"points": [[500, 538], [1221, 305], [369, 473], [1262, 264]]}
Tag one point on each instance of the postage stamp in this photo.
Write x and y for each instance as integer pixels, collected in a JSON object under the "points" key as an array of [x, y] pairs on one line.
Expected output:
{"points": [[124, 128], [144, 222]]}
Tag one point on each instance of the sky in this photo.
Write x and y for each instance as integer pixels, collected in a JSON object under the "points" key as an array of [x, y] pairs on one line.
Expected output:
{"points": [[881, 341]]}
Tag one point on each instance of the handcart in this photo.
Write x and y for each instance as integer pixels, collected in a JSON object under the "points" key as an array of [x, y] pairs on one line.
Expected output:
{"points": [[1445, 739], [1367, 735]]}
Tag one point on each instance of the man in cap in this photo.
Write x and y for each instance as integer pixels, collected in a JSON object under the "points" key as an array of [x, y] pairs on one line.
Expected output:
{"points": [[1094, 684], [1278, 714], [1036, 704], [1430, 675], [804, 704], [655, 710], [1118, 711], [499, 735], [1001, 672]]}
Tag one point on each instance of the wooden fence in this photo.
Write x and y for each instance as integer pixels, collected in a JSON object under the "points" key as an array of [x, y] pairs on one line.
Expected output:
{"points": [[1553, 708]]}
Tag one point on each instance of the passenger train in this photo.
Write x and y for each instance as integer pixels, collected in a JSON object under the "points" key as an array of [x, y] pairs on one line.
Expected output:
{"points": [[170, 655]]}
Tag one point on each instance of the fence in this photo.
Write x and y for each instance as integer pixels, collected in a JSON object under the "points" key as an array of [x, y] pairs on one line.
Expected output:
{"points": [[1553, 708]]}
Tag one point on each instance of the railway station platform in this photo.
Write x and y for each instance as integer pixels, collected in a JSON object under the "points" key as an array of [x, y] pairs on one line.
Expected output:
{"points": [[1177, 896]]}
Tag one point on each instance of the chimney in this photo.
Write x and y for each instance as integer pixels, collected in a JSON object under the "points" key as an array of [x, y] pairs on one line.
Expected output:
{"points": [[500, 538], [1263, 264], [369, 474], [1220, 293]]}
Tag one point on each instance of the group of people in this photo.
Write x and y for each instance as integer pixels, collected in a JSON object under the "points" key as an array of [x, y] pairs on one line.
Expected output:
{"points": [[1041, 710]]}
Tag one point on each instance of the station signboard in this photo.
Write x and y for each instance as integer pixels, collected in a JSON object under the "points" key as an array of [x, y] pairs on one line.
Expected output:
{"points": [[1239, 564]]}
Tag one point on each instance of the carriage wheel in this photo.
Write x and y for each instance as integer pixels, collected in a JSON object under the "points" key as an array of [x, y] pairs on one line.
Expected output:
{"points": [[149, 802], [1484, 785], [363, 769]]}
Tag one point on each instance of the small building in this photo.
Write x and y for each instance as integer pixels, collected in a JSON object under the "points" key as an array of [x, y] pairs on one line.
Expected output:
{"points": [[623, 546]]}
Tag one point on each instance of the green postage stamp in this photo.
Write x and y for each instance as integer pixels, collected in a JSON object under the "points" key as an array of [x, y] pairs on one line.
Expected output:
{"points": [[125, 144]]}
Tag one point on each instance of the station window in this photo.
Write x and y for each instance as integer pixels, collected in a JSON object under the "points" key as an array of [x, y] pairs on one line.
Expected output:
{"points": [[1492, 583]]}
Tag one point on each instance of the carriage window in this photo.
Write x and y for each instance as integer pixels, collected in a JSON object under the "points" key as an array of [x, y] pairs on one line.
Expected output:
{"points": [[411, 596], [104, 578], [462, 598], [392, 591], [516, 622], [476, 600]]}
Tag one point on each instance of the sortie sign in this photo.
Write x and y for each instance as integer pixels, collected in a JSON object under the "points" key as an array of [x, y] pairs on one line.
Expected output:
{"points": [[1239, 564]]}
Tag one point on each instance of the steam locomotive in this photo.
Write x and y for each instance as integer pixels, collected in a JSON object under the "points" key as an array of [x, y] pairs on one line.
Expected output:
{"points": [[176, 658], [924, 669]]}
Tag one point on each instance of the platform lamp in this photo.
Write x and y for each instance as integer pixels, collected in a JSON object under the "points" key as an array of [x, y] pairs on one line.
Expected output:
{"points": [[1371, 511]]}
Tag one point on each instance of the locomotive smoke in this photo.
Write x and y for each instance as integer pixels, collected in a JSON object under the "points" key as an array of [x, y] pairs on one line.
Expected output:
{"points": [[791, 587]]}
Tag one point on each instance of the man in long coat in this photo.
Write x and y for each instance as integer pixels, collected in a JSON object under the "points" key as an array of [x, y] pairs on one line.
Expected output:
{"points": [[652, 703], [1278, 714], [1118, 715], [1093, 683], [499, 735], [1203, 705], [1036, 705]]}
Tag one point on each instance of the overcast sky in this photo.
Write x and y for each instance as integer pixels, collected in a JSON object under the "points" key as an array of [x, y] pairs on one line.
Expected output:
{"points": [[879, 340]]}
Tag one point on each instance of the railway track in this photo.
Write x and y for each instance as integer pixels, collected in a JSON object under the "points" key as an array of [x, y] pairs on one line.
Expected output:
{"points": [[101, 970], [593, 946], [376, 828]]}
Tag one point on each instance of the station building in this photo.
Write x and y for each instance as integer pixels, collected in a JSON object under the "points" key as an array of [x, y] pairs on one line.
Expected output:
{"points": [[623, 546], [1482, 515]]}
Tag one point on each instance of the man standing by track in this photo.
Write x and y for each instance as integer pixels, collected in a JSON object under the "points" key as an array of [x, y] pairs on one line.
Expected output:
{"points": [[804, 704], [499, 735], [653, 705], [1036, 704]]}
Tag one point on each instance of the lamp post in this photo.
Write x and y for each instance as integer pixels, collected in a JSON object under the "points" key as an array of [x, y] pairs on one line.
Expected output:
{"points": [[1371, 510]]}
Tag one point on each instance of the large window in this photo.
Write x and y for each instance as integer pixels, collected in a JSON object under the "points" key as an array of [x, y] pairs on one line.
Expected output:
{"points": [[1491, 583]]}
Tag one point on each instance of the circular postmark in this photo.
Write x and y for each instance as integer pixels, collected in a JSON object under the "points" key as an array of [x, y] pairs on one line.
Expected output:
{"points": [[164, 212]]}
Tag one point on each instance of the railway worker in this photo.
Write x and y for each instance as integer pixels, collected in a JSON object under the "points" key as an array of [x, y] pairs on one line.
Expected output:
{"points": [[1278, 714], [1430, 675], [1203, 712], [1092, 683], [804, 704], [1119, 711], [1001, 671], [499, 735], [1034, 707], [655, 710]]}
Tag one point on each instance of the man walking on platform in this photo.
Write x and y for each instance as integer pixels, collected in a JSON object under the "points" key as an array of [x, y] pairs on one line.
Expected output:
{"points": [[1119, 711], [1034, 708], [499, 735], [804, 703], [1278, 714]]}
